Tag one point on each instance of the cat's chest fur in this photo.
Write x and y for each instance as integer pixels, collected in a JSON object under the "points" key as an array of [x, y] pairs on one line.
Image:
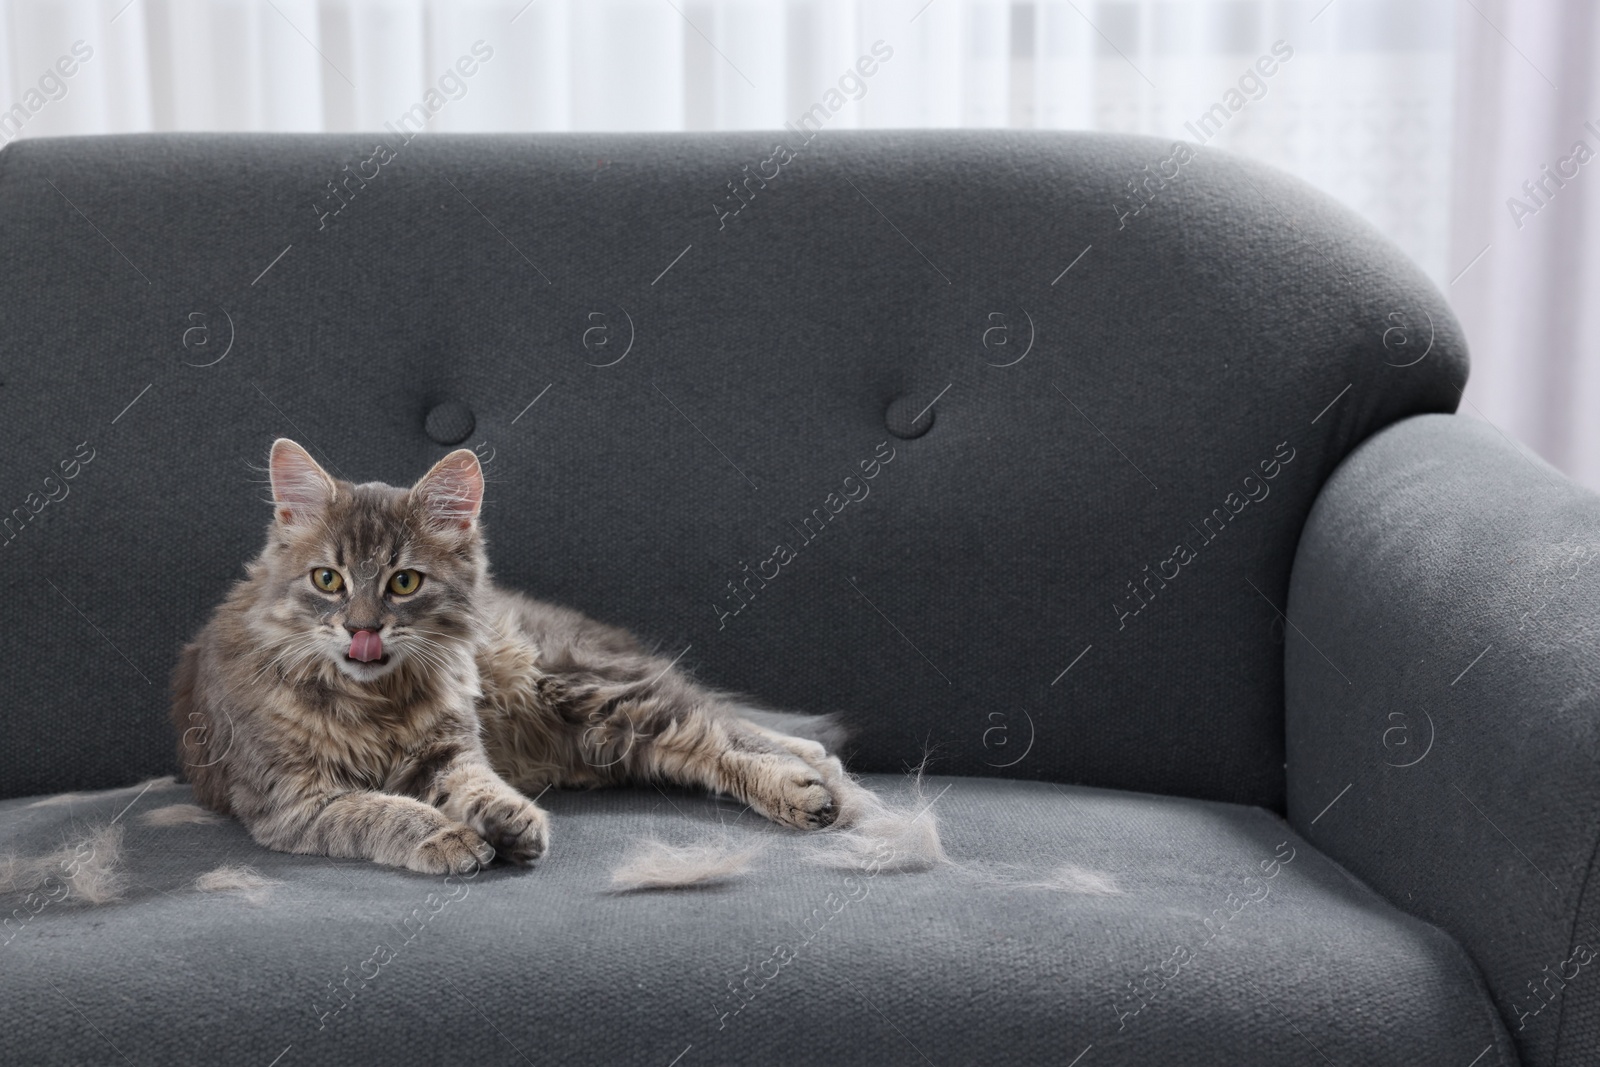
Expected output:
{"points": [[365, 740]]}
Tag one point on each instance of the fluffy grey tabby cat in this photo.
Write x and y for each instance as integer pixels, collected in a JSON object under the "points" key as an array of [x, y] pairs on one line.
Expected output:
{"points": [[367, 691]]}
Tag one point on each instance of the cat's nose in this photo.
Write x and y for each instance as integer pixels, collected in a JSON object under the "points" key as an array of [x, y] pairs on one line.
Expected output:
{"points": [[357, 627]]}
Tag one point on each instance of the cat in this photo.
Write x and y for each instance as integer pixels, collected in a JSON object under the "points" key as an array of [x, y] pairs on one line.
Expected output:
{"points": [[374, 695]]}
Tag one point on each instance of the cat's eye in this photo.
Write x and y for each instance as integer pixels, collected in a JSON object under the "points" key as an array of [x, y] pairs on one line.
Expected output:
{"points": [[404, 583], [327, 579]]}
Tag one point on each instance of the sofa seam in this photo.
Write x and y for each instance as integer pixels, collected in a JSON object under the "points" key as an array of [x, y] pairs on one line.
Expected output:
{"points": [[1572, 931], [1491, 1009]]}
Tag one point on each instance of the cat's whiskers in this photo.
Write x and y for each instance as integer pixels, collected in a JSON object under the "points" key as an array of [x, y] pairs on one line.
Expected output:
{"points": [[454, 638], [313, 652], [410, 631], [441, 658], [281, 645], [427, 653], [294, 651]]}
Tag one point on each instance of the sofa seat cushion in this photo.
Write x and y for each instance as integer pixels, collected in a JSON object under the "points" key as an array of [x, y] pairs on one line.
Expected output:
{"points": [[1117, 928]]}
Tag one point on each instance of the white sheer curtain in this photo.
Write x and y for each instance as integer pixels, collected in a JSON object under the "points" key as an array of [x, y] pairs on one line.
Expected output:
{"points": [[1423, 115], [1528, 95]]}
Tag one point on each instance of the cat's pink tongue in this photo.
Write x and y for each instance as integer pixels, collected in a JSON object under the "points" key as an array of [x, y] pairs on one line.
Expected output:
{"points": [[366, 646]]}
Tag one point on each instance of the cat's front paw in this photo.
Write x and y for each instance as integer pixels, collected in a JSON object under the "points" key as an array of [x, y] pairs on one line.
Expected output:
{"points": [[453, 850], [518, 829]]}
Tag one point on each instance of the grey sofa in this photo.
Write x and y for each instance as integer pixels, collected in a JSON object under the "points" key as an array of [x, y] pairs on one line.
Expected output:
{"points": [[1181, 576]]}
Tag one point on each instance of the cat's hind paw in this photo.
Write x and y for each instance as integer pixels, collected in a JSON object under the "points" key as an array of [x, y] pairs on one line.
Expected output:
{"points": [[805, 801]]}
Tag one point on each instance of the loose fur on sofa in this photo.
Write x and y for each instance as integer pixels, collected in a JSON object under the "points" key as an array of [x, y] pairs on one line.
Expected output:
{"points": [[652, 864], [882, 834], [240, 878], [86, 868], [871, 833], [138, 787], [176, 815]]}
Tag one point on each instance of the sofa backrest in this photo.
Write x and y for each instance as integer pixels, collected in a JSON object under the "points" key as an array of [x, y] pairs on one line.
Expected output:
{"points": [[998, 443]]}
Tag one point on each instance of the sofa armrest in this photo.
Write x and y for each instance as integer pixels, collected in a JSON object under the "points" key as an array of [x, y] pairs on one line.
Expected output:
{"points": [[1443, 708]]}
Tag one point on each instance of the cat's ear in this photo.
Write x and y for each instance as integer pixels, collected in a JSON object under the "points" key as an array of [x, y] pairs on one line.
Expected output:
{"points": [[300, 488], [450, 495]]}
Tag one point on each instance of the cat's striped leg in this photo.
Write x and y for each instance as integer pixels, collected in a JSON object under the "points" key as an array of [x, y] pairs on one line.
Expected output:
{"points": [[709, 746], [397, 830], [630, 716]]}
